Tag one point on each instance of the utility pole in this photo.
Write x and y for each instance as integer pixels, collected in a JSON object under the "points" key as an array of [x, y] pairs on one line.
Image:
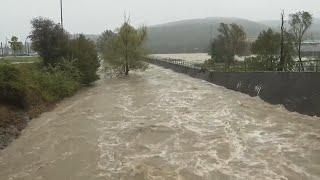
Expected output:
{"points": [[61, 13]]}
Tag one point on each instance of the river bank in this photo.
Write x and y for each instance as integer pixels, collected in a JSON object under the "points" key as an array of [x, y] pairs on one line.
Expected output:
{"points": [[14, 120], [297, 91], [26, 91]]}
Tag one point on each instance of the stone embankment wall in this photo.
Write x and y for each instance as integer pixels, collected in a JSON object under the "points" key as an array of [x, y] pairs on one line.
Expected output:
{"points": [[297, 91]]}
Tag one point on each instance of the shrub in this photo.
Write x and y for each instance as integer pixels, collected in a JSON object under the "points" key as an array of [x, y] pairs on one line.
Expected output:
{"points": [[12, 86], [28, 85], [85, 59], [55, 83]]}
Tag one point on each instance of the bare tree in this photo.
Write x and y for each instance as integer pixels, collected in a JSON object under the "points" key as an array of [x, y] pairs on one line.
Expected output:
{"points": [[282, 43], [300, 22]]}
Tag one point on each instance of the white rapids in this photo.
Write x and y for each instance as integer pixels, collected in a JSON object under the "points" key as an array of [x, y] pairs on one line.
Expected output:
{"points": [[161, 125]]}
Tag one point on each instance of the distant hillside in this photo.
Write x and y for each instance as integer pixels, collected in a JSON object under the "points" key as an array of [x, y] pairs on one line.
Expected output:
{"points": [[193, 35]]}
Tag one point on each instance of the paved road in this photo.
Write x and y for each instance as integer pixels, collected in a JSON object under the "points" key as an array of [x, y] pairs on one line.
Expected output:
{"points": [[162, 125]]}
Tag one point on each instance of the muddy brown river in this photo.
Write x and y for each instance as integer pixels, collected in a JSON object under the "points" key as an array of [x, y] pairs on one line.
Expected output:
{"points": [[160, 125]]}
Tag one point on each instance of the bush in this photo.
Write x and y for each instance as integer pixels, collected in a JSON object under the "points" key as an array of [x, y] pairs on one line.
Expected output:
{"points": [[85, 59], [262, 63], [55, 84], [28, 85], [12, 86]]}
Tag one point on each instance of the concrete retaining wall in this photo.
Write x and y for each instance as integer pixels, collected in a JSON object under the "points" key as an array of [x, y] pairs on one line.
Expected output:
{"points": [[297, 91]]}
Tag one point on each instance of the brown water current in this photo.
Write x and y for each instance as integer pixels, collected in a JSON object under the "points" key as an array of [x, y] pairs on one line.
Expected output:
{"points": [[160, 125]]}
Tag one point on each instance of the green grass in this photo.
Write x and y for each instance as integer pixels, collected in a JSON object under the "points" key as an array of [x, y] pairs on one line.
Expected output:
{"points": [[22, 59]]}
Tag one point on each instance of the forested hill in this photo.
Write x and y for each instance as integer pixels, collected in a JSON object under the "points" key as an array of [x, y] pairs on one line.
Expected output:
{"points": [[193, 35]]}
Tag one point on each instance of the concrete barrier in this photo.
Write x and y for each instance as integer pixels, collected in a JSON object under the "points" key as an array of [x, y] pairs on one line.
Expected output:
{"points": [[297, 91]]}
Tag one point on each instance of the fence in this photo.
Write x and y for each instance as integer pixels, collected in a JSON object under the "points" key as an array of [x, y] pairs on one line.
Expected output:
{"points": [[308, 66]]}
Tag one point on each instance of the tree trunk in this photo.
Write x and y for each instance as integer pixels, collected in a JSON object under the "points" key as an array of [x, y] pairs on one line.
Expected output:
{"points": [[127, 69], [301, 68], [282, 59]]}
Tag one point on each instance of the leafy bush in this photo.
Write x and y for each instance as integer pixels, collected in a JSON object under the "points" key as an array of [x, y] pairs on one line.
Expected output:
{"points": [[12, 86], [27, 85], [85, 59], [55, 83]]}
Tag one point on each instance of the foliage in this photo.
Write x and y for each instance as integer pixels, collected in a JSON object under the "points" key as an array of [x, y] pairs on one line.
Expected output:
{"points": [[15, 45], [85, 59], [267, 43], [288, 51], [230, 42], [103, 39], [12, 86], [49, 40], [267, 48], [267, 51], [25, 85], [52, 43], [124, 51], [55, 83], [300, 22]]}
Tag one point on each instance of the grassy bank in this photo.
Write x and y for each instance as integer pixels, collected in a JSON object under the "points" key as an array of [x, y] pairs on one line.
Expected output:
{"points": [[26, 90]]}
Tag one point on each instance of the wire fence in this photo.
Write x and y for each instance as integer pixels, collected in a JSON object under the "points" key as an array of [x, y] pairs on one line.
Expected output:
{"points": [[296, 66]]}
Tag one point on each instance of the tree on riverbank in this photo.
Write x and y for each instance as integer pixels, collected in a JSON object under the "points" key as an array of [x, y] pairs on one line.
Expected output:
{"points": [[230, 42], [124, 50], [55, 46], [269, 47], [85, 59], [49, 40], [300, 22]]}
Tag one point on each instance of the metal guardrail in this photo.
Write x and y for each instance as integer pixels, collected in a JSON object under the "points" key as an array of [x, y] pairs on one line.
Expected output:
{"points": [[308, 66]]}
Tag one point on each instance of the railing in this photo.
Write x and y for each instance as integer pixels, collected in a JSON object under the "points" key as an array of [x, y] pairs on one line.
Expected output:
{"points": [[308, 66]]}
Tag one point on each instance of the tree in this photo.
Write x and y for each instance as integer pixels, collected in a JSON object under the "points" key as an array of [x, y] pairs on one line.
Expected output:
{"points": [[230, 42], [300, 22], [267, 46], [282, 60], [124, 51], [288, 51], [84, 54], [15, 45], [49, 40], [271, 45], [103, 39]]}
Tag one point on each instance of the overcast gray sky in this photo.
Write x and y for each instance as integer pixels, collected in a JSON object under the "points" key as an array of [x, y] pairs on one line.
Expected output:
{"points": [[94, 16]]}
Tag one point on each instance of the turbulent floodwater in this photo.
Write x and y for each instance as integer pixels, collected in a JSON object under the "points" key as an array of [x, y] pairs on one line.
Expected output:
{"points": [[162, 125]]}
